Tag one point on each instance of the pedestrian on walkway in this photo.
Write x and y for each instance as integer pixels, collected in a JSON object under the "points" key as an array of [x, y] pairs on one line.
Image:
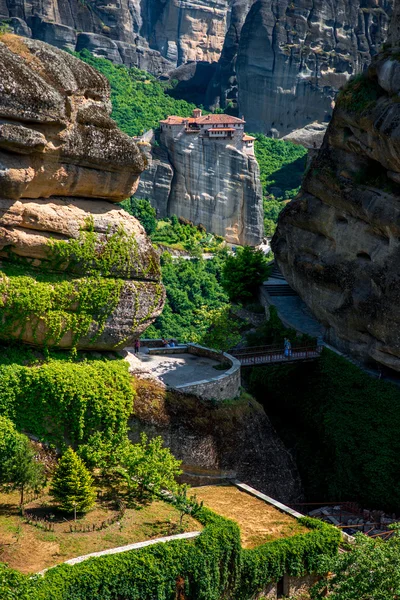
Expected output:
{"points": [[287, 348], [137, 346]]}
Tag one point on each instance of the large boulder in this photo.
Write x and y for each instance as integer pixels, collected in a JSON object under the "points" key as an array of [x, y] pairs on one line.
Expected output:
{"points": [[338, 243], [75, 269]]}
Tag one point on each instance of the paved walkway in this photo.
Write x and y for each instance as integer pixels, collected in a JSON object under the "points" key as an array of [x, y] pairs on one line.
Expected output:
{"points": [[173, 369], [292, 311]]}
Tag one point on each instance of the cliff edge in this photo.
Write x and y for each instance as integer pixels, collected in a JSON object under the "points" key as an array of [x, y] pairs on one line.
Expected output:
{"points": [[75, 270], [338, 242]]}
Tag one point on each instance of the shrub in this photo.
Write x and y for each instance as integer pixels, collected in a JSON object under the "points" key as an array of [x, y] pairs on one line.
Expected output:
{"points": [[143, 211], [243, 273]]}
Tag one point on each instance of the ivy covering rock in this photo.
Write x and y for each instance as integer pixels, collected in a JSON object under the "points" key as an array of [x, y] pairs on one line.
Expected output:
{"points": [[212, 567]]}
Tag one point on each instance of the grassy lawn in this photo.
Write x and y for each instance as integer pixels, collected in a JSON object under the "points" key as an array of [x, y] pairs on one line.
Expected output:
{"points": [[29, 549], [259, 522]]}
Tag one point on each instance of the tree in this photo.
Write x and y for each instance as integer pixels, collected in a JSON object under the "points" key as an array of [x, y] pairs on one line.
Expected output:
{"points": [[142, 210], [369, 571], [185, 505], [243, 273], [24, 471], [72, 484], [148, 468], [9, 438]]}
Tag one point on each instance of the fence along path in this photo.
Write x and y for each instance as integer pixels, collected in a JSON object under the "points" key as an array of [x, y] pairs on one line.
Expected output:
{"points": [[264, 355]]}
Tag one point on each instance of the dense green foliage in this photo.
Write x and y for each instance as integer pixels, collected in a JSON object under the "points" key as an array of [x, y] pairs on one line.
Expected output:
{"points": [[143, 211], [184, 235], [72, 484], [9, 438], [360, 94], [371, 571], [139, 100], [58, 302], [18, 468], [343, 424], [142, 470], [243, 273], [208, 568], [282, 167], [62, 398], [25, 472], [193, 291]]}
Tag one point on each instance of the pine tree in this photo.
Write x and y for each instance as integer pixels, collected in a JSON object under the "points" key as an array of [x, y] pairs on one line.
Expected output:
{"points": [[72, 484]]}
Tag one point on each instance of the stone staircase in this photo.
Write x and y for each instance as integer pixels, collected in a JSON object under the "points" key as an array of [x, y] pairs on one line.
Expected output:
{"points": [[277, 285]]}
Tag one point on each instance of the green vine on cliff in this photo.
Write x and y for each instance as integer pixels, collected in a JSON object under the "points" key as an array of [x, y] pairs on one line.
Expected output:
{"points": [[31, 302], [105, 254]]}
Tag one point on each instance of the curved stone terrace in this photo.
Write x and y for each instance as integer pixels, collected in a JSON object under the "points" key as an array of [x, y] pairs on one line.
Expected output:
{"points": [[189, 368]]}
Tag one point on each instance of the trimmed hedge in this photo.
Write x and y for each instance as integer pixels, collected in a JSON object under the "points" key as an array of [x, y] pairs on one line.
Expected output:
{"points": [[62, 399], [211, 567]]}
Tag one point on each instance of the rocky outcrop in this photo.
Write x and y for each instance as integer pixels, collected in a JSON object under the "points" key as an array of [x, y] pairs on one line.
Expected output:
{"points": [[289, 58], [75, 269], [155, 36], [211, 439], [260, 55], [208, 182], [338, 242]]}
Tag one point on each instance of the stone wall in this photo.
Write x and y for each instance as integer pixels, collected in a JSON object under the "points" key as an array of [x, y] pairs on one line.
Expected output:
{"points": [[221, 387]]}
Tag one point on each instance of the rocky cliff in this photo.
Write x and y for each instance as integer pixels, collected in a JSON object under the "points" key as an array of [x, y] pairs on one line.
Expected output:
{"points": [[75, 269], [338, 243], [260, 55], [235, 438], [208, 182]]}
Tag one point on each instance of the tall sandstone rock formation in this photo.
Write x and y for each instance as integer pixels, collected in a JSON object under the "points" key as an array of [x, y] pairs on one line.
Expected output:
{"points": [[208, 182], [260, 55], [338, 243], [75, 270]]}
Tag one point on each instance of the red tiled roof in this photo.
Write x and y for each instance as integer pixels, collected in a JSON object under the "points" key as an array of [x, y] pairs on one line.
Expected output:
{"points": [[173, 120], [205, 120], [223, 119], [248, 138]]}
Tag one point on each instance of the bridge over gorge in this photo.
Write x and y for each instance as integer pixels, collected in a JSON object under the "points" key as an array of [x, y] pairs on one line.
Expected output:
{"points": [[265, 355]]}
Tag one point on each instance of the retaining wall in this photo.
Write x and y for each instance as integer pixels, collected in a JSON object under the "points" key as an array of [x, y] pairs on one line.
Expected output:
{"points": [[220, 387]]}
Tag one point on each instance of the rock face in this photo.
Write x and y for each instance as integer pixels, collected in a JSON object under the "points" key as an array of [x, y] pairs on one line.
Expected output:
{"points": [[155, 36], [211, 439], [338, 242], [75, 269], [284, 61], [208, 182], [262, 54]]}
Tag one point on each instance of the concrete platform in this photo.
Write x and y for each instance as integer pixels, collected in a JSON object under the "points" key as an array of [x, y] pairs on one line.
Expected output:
{"points": [[178, 369]]}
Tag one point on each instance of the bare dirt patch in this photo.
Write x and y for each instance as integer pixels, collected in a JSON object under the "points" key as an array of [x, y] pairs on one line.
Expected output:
{"points": [[30, 549], [258, 521]]}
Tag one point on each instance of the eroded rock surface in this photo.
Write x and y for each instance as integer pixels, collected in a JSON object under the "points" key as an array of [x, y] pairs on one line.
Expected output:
{"points": [[338, 243], [212, 439], [284, 61], [263, 54], [75, 269], [209, 182]]}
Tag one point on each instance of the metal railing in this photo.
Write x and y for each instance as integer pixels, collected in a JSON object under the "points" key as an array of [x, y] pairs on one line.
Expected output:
{"points": [[272, 354]]}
